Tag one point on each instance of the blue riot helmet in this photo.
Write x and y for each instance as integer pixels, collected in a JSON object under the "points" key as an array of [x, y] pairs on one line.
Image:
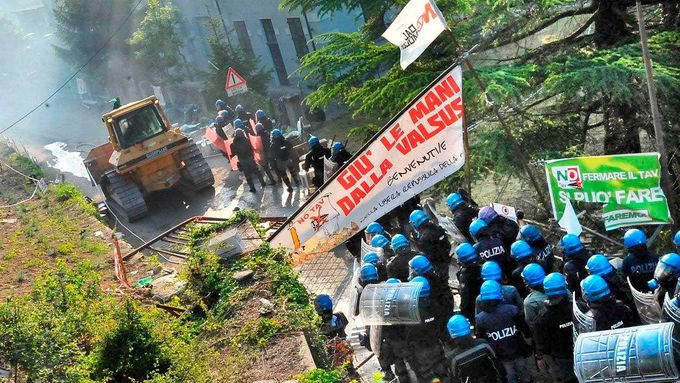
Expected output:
{"points": [[530, 233], [399, 242], [239, 132], [676, 239], [239, 109], [594, 288], [491, 271], [374, 228], [393, 280], [260, 114], [277, 133], [571, 245], [425, 291], [533, 275], [371, 257], [454, 200], [521, 250], [380, 241], [322, 304], [634, 237], [313, 141], [554, 285], [458, 326], [368, 273], [598, 264], [466, 253], [337, 146], [418, 218], [238, 124], [420, 265], [219, 121], [224, 114], [490, 291], [487, 214], [476, 226], [666, 272], [220, 104]]}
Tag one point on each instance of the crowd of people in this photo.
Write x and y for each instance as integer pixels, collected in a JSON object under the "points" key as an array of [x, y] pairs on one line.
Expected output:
{"points": [[516, 295], [278, 161]]}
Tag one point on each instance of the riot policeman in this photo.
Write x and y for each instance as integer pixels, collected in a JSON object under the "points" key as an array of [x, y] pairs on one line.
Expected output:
{"points": [[503, 228], [543, 251], [441, 295], [381, 242], [281, 152], [607, 312], [375, 228], [533, 276], [374, 259], [576, 256], [502, 325], [432, 240], [265, 135], [333, 324], [640, 263], [553, 330], [522, 253], [666, 276], [339, 154], [469, 278], [472, 359], [463, 214], [492, 272], [598, 264], [315, 159], [246, 161], [397, 266], [491, 248]]}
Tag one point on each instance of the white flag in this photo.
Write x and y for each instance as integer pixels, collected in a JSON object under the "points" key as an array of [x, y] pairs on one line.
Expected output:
{"points": [[416, 27], [569, 220]]}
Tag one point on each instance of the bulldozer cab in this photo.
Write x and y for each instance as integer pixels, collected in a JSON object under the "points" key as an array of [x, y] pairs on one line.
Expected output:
{"points": [[135, 123]]}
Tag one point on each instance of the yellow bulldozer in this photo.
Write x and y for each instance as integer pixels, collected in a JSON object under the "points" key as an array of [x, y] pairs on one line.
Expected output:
{"points": [[144, 154]]}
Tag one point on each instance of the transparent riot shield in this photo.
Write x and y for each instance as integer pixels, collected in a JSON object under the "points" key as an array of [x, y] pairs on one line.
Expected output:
{"points": [[631, 355], [356, 288], [583, 323], [375, 339], [447, 224], [390, 304], [647, 305], [366, 248], [671, 309]]}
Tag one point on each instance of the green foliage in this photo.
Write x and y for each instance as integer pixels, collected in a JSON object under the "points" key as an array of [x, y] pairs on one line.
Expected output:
{"points": [[72, 196], [84, 26], [224, 55], [256, 333], [26, 165], [156, 44], [130, 352], [323, 376]]}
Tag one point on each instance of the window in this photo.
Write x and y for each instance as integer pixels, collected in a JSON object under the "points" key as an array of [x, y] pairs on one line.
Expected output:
{"points": [[243, 38], [273, 44], [298, 36], [138, 126]]}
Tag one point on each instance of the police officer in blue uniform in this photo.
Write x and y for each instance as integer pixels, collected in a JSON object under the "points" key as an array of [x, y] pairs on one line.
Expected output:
{"points": [[463, 214], [469, 278], [315, 159], [598, 264], [576, 256], [441, 296], [492, 272], [501, 227], [640, 263], [533, 276], [502, 325], [543, 251], [491, 248], [397, 266], [554, 330], [333, 324], [432, 240], [471, 359], [522, 253], [608, 313]]}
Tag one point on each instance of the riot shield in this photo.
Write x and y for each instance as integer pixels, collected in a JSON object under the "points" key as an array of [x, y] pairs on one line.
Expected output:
{"points": [[583, 323], [671, 309], [390, 304], [356, 288], [366, 248], [329, 167], [647, 305], [375, 339], [633, 354]]}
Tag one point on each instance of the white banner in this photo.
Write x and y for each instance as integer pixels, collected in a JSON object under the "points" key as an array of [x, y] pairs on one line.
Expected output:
{"points": [[415, 28], [421, 147]]}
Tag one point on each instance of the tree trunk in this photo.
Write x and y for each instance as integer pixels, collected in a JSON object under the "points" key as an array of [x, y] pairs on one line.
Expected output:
{"points": [[610, 23], [622, 134]]}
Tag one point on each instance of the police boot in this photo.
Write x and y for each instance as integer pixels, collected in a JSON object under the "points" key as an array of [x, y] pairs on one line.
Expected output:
{"points": [[251, 184], [287, 182]]}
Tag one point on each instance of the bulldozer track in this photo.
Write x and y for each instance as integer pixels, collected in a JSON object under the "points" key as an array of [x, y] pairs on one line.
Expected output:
{"points": [[125, 196], [196, 173]]}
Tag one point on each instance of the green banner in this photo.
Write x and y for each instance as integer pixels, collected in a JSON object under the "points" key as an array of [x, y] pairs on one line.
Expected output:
{"points": [[628, 185]]}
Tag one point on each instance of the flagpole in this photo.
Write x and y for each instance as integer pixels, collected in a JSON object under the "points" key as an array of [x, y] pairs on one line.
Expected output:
{"points": [[519, 152]]}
